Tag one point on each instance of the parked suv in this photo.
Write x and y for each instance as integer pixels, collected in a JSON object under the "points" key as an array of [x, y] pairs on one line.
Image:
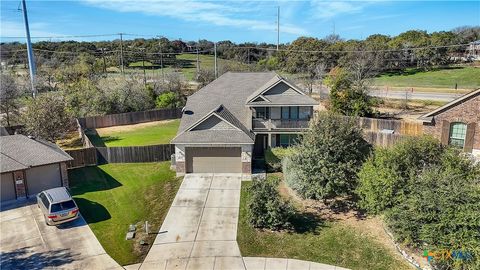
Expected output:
{"points": [[57, 206]]}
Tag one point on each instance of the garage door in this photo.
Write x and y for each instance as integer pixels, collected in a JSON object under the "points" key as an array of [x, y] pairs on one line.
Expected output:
{"points": [[214, 159], [42, 178], [8, 187]]}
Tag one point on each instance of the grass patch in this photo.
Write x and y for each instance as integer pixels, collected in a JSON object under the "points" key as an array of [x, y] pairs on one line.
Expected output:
{"points": [[313, 240], [113, 196], [159, 132], [464, 77]]}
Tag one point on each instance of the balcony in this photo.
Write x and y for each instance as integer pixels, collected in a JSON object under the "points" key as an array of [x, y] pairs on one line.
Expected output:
{"points": [[279, 124]]}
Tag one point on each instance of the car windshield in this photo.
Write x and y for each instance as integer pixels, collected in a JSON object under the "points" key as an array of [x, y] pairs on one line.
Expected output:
{"points": [[57, 207]]}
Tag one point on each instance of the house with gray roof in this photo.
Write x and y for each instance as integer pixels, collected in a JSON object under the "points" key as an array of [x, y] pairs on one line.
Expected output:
{"points": [[236, 118], [29, 166]]}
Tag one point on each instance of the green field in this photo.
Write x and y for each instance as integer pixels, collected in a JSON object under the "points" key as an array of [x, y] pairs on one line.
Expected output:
{"points": [[160, 132], [113, 196], [464, 77], [314, 240]]}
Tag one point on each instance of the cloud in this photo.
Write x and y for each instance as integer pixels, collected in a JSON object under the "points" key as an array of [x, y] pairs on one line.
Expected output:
{"points": [[17, 29], [322, 9], [234, 14]]}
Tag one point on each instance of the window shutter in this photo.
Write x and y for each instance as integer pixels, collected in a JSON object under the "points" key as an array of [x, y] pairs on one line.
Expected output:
{"points": [[469, 138], [445, 132]]}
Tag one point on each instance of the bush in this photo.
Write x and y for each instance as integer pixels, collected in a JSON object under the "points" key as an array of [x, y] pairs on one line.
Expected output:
{"points": [[326, 162], [266, 209], [274, 157], [166, 100], [384, 178]]}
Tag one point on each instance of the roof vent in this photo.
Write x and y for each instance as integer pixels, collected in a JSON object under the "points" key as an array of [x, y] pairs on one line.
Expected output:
{"points": [[188, 112], [219, 109]]}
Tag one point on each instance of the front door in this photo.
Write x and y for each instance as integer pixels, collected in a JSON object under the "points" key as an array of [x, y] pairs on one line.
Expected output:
{"points": [[261, 143]]}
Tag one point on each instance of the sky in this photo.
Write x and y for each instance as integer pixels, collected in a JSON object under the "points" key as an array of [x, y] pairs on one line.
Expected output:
{"points": [[238, 21]]}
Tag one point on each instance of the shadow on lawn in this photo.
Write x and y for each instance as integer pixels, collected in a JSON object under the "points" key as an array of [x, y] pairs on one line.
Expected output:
{"points": [[413, 71], [91, 179], [99, 141], [92, 212], [303, 222]]}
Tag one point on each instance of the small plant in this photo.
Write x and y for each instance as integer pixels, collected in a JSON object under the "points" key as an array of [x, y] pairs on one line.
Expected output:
{"points": [[266, 209]]}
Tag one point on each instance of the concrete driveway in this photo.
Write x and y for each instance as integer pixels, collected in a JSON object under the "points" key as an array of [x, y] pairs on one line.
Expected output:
{"points": [[26, 242], [201, 223]]}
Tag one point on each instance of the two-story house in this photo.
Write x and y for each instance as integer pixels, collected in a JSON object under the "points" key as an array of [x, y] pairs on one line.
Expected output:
{"points": [[238, 116]]}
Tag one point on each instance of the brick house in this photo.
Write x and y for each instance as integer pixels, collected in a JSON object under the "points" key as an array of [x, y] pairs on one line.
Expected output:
{"points": [[457, 123]]}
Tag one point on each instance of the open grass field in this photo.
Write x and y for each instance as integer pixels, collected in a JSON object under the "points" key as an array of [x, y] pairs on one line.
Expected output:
{"points": [[332, 242], [151, 133], [113, 196], [466, 78]]}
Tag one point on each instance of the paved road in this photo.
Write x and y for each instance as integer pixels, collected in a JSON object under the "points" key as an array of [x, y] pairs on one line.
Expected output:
{"points": [[200, 231], [415, 95], [26, 242]]}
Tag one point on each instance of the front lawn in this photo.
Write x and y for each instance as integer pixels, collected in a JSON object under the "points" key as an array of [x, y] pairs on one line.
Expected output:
{"points": [[151, 133], [113, 196], [329, 242]]}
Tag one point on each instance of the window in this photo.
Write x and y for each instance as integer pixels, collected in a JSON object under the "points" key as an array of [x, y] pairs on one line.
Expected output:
{"points": [[62, 206], [290, 112], [44, 199], [262, 112], [288, 139], [458, 131]]}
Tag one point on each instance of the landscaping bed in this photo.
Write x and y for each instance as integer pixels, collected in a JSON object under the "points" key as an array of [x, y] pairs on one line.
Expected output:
{"points": [[151, 133], [113, 196], [341, 239]]}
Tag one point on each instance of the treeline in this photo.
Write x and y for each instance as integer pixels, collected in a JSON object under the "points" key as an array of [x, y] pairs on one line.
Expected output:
{"points": [[301, 56]]}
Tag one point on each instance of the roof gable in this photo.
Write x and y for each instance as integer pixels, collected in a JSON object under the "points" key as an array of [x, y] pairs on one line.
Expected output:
{"points": [[429, 116], [213, 122], [277, 86]]}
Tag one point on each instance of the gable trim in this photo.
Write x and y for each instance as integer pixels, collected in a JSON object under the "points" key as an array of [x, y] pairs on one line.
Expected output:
{"points": [[208, 117], [429, 116], [295, 88]]}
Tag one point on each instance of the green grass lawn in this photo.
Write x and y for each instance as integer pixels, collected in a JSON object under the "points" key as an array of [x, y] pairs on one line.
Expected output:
{"points": [[136, 135], [325, 242], [113, 196], [465, 77]]}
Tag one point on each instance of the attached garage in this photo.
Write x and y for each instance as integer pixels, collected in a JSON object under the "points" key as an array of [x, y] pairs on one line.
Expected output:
{"points": [[213, 159], [43, 177], [8, 187]]}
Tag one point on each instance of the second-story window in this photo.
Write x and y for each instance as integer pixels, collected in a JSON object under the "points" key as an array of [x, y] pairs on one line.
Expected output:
{"points": [[262, 112], [290, 112]]}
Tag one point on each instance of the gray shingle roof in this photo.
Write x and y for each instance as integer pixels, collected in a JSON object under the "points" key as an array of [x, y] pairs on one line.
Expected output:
{"points": [[286, 100], [231, 90], [20, 152]]}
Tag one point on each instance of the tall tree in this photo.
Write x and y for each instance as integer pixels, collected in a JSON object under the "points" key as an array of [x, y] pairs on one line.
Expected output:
{"points": [[9, 95]]}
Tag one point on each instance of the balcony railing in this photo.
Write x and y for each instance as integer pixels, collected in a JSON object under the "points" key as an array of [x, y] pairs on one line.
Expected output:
{"points": [[270, 124]]}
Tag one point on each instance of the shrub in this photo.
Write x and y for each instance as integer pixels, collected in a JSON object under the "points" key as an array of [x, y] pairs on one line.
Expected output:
{"points": [[166, 100], [327, 159], [266, 209], [384, 178], [274, 157]]}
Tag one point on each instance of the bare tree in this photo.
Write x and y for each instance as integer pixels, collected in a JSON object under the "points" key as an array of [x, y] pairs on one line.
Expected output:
{"points": [[9, 94]]}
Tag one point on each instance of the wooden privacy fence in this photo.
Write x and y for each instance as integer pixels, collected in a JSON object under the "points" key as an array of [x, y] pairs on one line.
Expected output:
{"points": [[82, 157], [398, 126], [85, 140], [128, 154], [129, 118], [382, 139]]}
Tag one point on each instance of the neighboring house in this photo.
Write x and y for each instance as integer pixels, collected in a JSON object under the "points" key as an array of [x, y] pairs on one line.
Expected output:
{"points": [[28, 166], [473, 50], [457, 123], [235, 116]]}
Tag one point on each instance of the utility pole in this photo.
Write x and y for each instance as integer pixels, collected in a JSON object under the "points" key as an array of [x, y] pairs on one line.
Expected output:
{"points": [[278, 26], [31, 59], [104, 62], [143, 65], [248, 56], [215, 49], [198, 63], [161, 58], [121, 53]]}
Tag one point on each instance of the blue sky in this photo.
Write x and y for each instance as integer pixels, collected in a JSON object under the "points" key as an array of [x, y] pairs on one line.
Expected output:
{"points": [[235, 20]]}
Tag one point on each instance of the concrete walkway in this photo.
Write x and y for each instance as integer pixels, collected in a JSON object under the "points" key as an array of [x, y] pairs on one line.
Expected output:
{"points": [[200, 230]]}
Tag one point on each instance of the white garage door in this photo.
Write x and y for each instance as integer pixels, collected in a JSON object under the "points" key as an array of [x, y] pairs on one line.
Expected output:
{"points": [[8, 187], [214, 160], [43, 177]]}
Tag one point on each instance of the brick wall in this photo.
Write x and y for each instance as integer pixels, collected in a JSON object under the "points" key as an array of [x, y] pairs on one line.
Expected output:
{"points": [[467, 112]]}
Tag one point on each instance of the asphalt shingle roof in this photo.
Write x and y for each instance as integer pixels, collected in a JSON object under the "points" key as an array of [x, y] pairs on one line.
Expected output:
{"points": [[19, 152], [230, 91]]}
